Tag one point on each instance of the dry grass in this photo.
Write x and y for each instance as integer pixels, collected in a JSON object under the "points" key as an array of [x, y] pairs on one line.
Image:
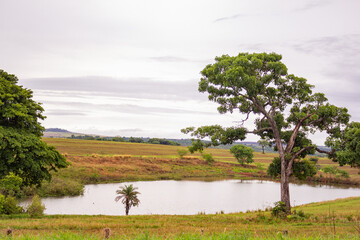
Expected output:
{"points": [[105, 161]]}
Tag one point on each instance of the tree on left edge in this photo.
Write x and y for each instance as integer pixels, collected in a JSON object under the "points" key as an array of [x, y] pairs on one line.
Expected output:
{"points": [[22, 152]]}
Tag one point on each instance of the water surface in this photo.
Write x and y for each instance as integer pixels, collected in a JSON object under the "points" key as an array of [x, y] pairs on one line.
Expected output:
{"points": [[192, 197]]}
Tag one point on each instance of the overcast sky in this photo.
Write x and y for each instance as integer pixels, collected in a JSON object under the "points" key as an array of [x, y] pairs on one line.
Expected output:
{"points": [[131, 68]]}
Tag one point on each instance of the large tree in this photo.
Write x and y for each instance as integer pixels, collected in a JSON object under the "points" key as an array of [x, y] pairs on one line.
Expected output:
{"points": [[286, 108], [22, 152]]}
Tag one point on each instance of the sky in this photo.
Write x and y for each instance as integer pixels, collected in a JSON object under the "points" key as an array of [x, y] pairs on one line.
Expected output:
{"points": [[131, 68]]}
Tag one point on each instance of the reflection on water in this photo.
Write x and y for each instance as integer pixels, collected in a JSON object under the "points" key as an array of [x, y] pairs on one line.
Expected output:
{"points": [[191, 197]]}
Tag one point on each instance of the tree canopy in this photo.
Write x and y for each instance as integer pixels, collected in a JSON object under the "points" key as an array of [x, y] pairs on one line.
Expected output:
{"points": [[21, 150], [242, 153], [286, 108]]}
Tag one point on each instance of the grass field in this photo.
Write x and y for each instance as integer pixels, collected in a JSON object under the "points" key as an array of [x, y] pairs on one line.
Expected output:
{"points": [[327, 220], [97, 161], [100, 161]]}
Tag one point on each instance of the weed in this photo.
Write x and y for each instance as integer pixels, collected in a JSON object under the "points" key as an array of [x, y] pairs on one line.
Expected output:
{"points": [[36, 208], [279, 210]]}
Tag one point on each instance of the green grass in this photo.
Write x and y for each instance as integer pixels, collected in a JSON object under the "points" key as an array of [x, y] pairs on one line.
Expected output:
{"points": [[145, 236], [318, 223]]}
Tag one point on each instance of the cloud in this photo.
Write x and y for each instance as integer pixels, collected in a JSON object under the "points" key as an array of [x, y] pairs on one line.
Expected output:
{"points": [[239, 15], [313, 4], [170, 59], [331, 45], [65, 113], [142, 88], [134, 109], [337, 58]]}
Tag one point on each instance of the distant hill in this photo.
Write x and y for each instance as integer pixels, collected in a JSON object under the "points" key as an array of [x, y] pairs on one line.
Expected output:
{"points": [[56, 130], [58, 133], [63, 133]]}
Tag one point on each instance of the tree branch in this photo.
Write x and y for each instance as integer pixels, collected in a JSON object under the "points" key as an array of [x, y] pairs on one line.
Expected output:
{"points": [[259, 130], [295, 132], [331, 153], [289, 167]]}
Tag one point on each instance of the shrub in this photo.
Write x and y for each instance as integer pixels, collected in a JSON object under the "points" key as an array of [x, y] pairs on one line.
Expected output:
{"points": [[314, 160], [279, 210], [10, 184], [11, 206], [61, 187], [182, 152], [335, 171], [298, 215], [208, 158], [36, 208], [2, 201]]}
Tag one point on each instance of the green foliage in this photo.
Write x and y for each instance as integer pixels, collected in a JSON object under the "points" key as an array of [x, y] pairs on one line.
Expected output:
{"points": [[2, 202], [27, 156], [242, 153], [264, 142], [301, 169], [298, 215], [129, 197], [217, 134], [182, 152], [9, 205], [346, 145], [162, 142], [314, 160], [279, 209], [335, 171], [208, 157], [259, 84], [36, 208], [21, 150], [17, 109], [61, 187], [136, 140], [10, 184]]}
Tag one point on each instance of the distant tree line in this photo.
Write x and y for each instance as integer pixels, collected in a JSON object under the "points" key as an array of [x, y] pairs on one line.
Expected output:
{"points": [[127, 139]]}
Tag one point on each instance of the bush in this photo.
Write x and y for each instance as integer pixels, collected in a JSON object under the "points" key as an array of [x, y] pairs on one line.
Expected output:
{"points": [[208, 158], [11, 184], [279, 210], [298, 215], [335, 171], [61, 187], [36, 208], [301, 169], [182, 152], [2, 202], [11, 206]]}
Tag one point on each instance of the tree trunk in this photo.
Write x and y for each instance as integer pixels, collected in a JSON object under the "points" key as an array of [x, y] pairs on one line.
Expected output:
{"points": [[127, 208], [263, 149], [285, 193]]}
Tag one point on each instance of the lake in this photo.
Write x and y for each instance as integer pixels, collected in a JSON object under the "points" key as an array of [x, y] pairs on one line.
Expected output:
{"points": [[192, 197]]}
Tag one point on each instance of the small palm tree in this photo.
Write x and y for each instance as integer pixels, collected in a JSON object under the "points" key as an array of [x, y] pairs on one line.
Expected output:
{"points": [[128, 194]]}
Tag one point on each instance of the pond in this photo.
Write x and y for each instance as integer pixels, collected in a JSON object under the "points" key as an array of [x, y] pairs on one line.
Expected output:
{"points": [[192, 197]]}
